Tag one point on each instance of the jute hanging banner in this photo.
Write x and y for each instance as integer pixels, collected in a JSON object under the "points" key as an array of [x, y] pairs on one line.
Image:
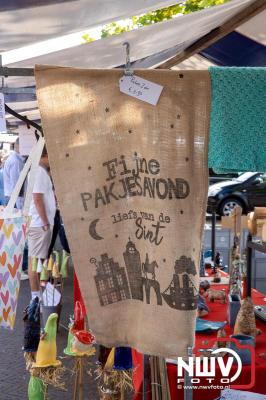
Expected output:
{"points": [[131, 182]]}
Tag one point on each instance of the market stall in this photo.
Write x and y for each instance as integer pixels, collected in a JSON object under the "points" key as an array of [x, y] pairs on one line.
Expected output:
{"points": [[218, 312]]}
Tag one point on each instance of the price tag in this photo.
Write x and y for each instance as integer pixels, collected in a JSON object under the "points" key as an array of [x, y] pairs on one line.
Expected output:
{"points": [[140, 89], [27, 139], [2, 114]]}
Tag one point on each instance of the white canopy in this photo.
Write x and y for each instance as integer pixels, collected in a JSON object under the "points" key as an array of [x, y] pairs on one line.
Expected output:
{"points": [[255, 28], [176, 34], [150, 45], [24, 22]]}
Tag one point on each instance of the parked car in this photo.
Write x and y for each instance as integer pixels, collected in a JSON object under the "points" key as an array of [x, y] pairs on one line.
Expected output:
{"points": [[248, 190], [215, 178]]}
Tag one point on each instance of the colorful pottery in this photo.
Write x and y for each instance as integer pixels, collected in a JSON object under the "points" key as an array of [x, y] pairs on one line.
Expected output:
{"points": [[47, 351]]}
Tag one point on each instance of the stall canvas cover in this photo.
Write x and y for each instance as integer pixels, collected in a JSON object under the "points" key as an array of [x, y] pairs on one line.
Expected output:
{"points": [[131, 182]]}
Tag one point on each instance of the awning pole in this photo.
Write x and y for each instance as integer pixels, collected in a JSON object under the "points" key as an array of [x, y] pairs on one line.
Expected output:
{"points": [[6, 71]]}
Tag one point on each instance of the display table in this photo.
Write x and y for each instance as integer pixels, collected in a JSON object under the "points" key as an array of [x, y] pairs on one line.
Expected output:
{"points": [[218, 312]]}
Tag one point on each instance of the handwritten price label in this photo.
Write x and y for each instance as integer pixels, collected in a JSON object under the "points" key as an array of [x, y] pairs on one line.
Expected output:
{"points": [[2, 114], [140, 89]]}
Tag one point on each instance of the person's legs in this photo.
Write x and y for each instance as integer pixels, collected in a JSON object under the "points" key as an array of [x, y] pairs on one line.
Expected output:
{"points": [[34, 280], [63, 238], [57, 224], [38, 242]]}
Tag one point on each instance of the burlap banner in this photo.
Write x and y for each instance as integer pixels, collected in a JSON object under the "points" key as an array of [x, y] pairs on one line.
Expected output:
{"points": [[131, 181]]}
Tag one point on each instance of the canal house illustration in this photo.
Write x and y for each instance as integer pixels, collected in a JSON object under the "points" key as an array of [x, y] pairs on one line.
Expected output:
{"points": [[111, 281], [137, 280]]}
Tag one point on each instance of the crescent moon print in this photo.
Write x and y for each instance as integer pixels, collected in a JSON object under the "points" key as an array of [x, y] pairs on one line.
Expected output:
{"points": [[92, 230]]}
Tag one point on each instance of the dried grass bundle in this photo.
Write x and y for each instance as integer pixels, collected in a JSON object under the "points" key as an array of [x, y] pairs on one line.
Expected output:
{"points": [[51, 376], [113, 383], [29, 358]]}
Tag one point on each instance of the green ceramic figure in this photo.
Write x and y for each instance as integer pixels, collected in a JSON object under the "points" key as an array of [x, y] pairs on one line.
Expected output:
{"points": [[63, 270], [34, 262], [36, 389], [44, 274]]}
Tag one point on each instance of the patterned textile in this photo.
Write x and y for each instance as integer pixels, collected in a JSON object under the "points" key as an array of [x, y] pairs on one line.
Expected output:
{"points": [[12, 241], [238, 119]]}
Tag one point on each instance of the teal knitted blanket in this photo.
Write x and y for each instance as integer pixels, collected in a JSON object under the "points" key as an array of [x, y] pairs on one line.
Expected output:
{"points": [[238, 119]]}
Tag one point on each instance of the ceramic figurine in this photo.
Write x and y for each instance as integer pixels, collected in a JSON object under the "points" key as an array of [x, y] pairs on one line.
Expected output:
{"points": [[64, 264], [217, 278], [50, 263], [46, 353], [221, 334], [32, 326], [245, 321], [70, 336], [202, 309], [123, 359], [216, 295], [204, 285], [82, 342], [44, 274], [36, 389]]}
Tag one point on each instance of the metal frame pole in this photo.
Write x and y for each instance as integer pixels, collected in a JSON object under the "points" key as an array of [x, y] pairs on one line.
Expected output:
{"points": [[6, 71], [145, 376], [249, 265], [188, 393], [213, 235]]}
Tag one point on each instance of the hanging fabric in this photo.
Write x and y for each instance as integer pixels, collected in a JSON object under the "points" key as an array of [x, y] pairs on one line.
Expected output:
{"points": [[131, 181], [238, 119]]}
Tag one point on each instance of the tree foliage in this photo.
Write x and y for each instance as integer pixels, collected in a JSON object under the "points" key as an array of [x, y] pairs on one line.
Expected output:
{"points": [[114, 28], [164, 14], [197, 5], [88, 38]]}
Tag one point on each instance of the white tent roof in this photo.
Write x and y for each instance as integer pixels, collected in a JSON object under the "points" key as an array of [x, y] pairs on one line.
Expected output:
{"points": [[149, 45], [24, 22], [194, 62], [255, 28], [176, 34]]}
